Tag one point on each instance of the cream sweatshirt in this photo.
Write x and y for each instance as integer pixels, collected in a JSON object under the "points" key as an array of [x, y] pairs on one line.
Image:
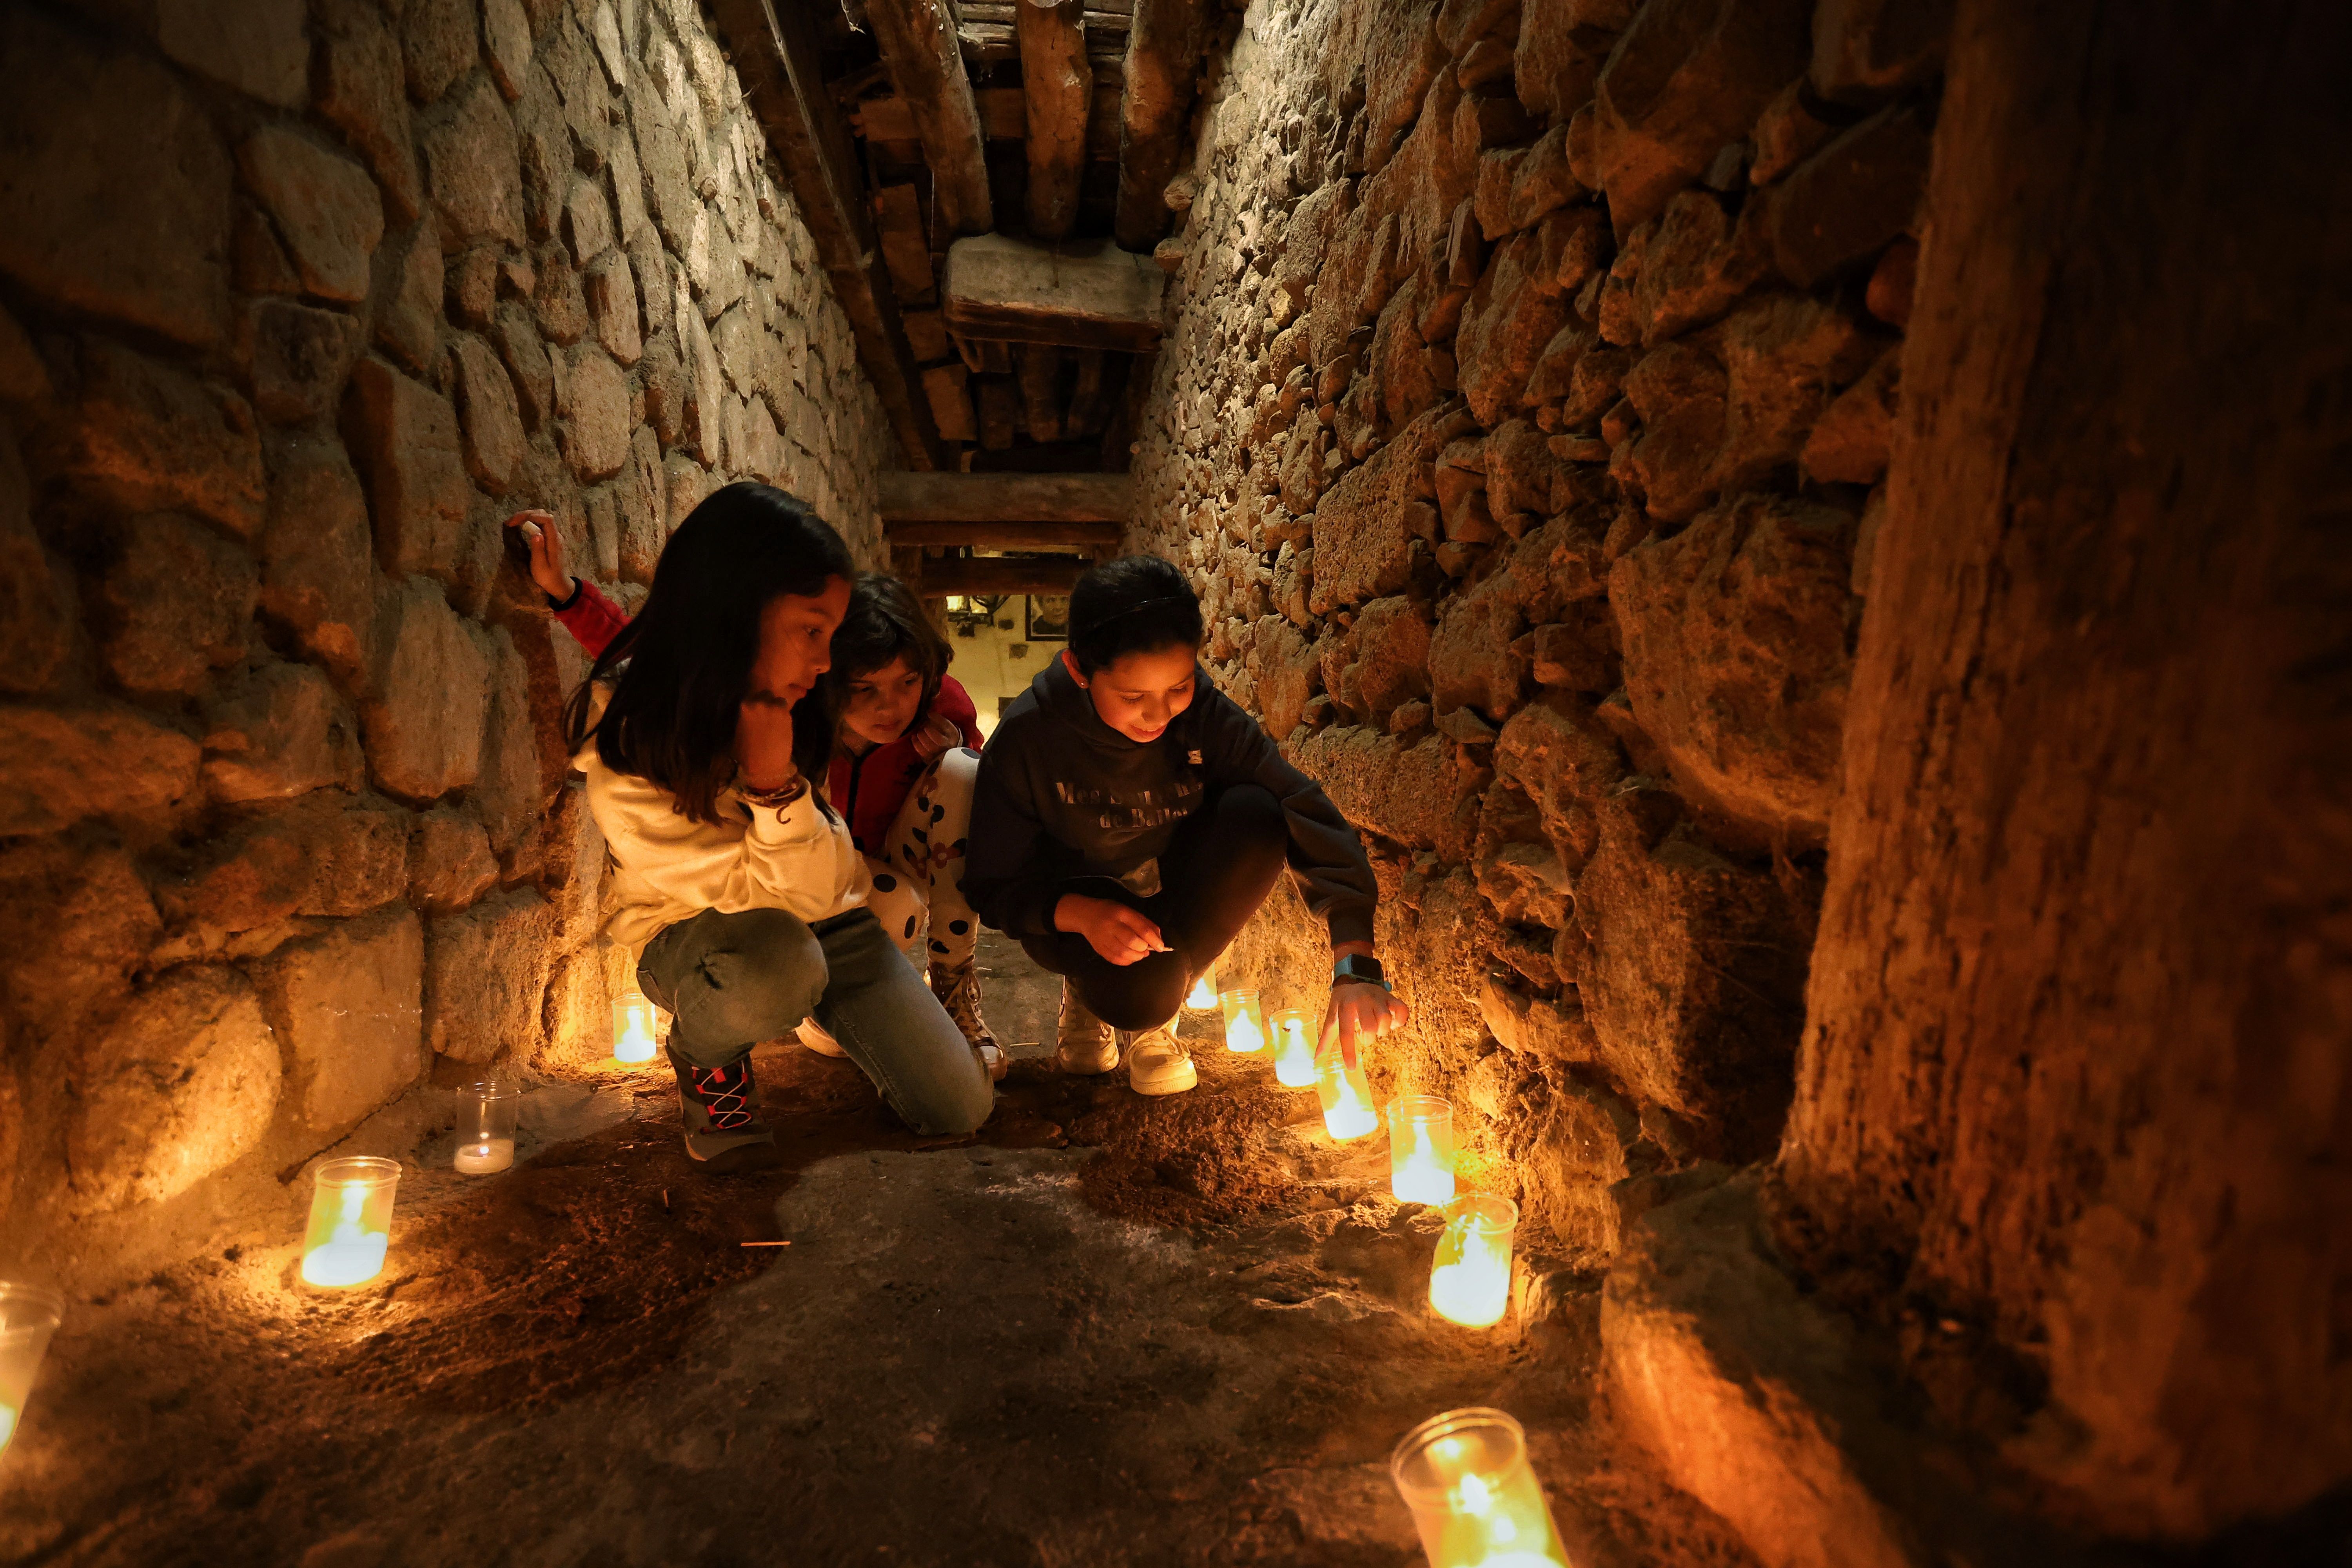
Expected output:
{"points": [[672, 868]]}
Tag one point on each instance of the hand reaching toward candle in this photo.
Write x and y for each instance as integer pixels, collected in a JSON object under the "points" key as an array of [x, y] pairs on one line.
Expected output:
{"points": [[1118, 934], [546, 546], [1360, 1010]]}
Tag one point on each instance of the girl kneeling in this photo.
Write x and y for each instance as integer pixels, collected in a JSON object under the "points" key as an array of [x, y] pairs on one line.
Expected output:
{"points": [[740, 887], [1129, 819]]}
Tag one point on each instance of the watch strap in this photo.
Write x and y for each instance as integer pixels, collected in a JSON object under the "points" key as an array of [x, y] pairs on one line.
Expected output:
{"points": [[1356, 970]]}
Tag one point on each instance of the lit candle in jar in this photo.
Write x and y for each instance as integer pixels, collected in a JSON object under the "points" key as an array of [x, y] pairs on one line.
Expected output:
{"points": [[1421, 1149], [1294, 1050], [29, 1314], [1347, 1097], [350, 1221], [1474, 1500], [633, 1029], [486, 1122], [1470, 1279], [1202, 997], [1244, 1022]]}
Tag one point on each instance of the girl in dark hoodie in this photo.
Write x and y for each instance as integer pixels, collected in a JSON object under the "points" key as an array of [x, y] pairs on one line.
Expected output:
{"points": [[1130, 818]]}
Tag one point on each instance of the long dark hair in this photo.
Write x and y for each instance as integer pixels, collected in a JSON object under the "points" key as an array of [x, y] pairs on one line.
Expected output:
{"points": [[886, 621], [1137, 604], [680, 671]]}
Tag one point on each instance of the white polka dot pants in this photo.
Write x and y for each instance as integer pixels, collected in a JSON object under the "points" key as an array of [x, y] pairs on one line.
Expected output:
{"points": [[919, 878]]}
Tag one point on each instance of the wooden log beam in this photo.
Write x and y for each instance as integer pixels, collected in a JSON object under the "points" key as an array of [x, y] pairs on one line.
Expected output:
{"points": [[978, 576], [1057, 86], [918, 40], [1041, 391], [775, 54], [1007, 498], [1163, 52], [1082, 536], [1082, 294]]}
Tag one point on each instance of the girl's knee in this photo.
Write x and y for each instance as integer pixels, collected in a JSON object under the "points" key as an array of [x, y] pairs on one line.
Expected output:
{"points": [[965, 1108], [1254, 811], [761, 980]]}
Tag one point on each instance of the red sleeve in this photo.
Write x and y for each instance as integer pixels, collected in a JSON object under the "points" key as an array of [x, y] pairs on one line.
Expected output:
{"points": [[955, 704], [594, 619]]}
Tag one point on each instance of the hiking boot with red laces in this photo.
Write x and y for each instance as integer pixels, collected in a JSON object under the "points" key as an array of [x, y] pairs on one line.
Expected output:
{"points": [[722, 1132]]}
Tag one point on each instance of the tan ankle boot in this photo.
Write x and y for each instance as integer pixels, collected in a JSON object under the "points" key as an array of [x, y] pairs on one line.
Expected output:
{"points": [[958, 990], [1085, 1042]]}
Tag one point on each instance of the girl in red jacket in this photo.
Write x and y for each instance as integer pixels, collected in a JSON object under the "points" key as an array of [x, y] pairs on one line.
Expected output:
{"points": [[903, 768]]}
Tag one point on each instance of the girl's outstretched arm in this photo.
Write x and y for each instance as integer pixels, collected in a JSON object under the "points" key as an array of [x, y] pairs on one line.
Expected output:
{"points": [[580, 606]]}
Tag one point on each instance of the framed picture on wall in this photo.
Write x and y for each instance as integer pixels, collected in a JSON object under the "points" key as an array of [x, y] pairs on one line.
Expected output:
{"points": [[1048, 618]]}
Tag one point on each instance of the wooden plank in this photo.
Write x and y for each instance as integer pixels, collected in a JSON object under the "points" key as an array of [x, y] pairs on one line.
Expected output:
{"points": [[918, 41], [1085, 415], [1041, 390], [1084, 294], [1007, 535], [1057, 88], [979, 576], [898, 217], [1007, 498], [926, 334], [775, 55], [1164, 51], [1002, 116], [1000, 416], [950, 400]]}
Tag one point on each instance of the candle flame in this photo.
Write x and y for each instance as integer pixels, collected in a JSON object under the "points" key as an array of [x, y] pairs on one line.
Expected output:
{"points": [[634, 1041], [1203, 994], [1244, 1034]]}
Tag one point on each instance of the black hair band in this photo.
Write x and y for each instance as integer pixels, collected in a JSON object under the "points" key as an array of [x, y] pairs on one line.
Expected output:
{"points": [[1136, 609]]}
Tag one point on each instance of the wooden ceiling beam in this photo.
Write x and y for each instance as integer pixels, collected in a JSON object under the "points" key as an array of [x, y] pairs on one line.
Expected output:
{"points": [[776, 59], [1081, 294], [1057, 86], [918, 40], [1163, 53], [1007, 498], [1085, 536], [981, 577]]}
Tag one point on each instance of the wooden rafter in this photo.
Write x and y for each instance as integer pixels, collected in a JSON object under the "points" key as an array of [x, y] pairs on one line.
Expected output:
{"points": [[1057, 86], [1007, 498], [1086, 294], [1164, 51], [918, 39], [1089, 536], [978, 576]]}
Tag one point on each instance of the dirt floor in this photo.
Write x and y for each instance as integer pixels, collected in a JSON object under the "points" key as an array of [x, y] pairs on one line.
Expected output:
{"points": [[1108, 1330]]}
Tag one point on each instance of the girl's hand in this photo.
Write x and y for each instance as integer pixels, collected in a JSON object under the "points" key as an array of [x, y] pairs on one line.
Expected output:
{"points": [[763, 743], [546, 547], [1118, 934], [938, 734], [1360, 1010]]}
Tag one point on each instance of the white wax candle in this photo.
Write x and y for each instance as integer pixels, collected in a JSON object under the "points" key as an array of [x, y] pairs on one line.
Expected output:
{"points": [[7, 1425], [1474, 1293], [349, 1260], [479, 1159], [1242, 1034]]}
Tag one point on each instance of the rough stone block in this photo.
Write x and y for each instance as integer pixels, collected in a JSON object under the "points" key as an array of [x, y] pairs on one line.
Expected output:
{"points": [[1737, 659], [348, 1005], [177, 603], [300, 357], [644, 508], [1687, 76], [527, 361], [409, 322], [493, 424], [279, 729], [594, 399], [1846, 201], [59, 766], [587, 220], [1361, 528], [437, 44], [612, 292], [1866, 51], [1680, 393], [450, 860], [318, 572], [1850, 443], [325, 207], [149, 437], [506, 36], [1553, 68], [558, 304], [1472, 660], [472, 168], [1696, 264], [406, 436], [512, 791], [1399, 792], [430, 692], [486, 973], [76, 922], [37, 595], [184, 1082], [313, 858], [1784, 357], [361, 93], [151, 250], [254, 45], [1512, 314]]}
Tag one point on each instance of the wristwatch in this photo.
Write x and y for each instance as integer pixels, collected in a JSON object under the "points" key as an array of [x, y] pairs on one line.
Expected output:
{"points": [[1355, 969]]}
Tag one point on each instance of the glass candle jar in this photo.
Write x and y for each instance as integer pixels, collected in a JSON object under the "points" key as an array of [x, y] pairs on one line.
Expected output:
{"points": [[1421, 1149], [29, 1314], [1346, 1096], [1244, 1022], [1470, 1279], [1474, 1500], [1294, 1049], [1202, 997], [486, 1128], [350, 1221], [633, 1029]]}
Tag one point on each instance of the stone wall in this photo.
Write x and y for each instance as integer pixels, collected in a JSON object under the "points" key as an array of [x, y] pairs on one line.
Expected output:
{"points": [[1522, 418], [296, 305]]}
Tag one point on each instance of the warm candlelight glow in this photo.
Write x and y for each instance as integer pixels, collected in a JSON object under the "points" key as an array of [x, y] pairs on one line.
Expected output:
{"points": [[1294, 1050], [1244, 1022], [1347, 1097], [486, 1124], [633, 1029], [1421, 1149], [1476, 1502], [1202, 997], [351, 1222], [1470, 1279], [29, 1314]]}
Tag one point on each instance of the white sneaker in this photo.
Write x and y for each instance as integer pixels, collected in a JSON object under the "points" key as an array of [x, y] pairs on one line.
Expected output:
{"points": [[813, 1036], [1084, 1044], [1159, 1063]]}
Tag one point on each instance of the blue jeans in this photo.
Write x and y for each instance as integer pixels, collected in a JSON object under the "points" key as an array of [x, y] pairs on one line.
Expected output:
{"points": [[730, 981]]}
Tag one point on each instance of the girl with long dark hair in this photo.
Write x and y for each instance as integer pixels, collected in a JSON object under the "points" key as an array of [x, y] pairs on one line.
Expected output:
{"points": [[702, 728], [1129, 820]]}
